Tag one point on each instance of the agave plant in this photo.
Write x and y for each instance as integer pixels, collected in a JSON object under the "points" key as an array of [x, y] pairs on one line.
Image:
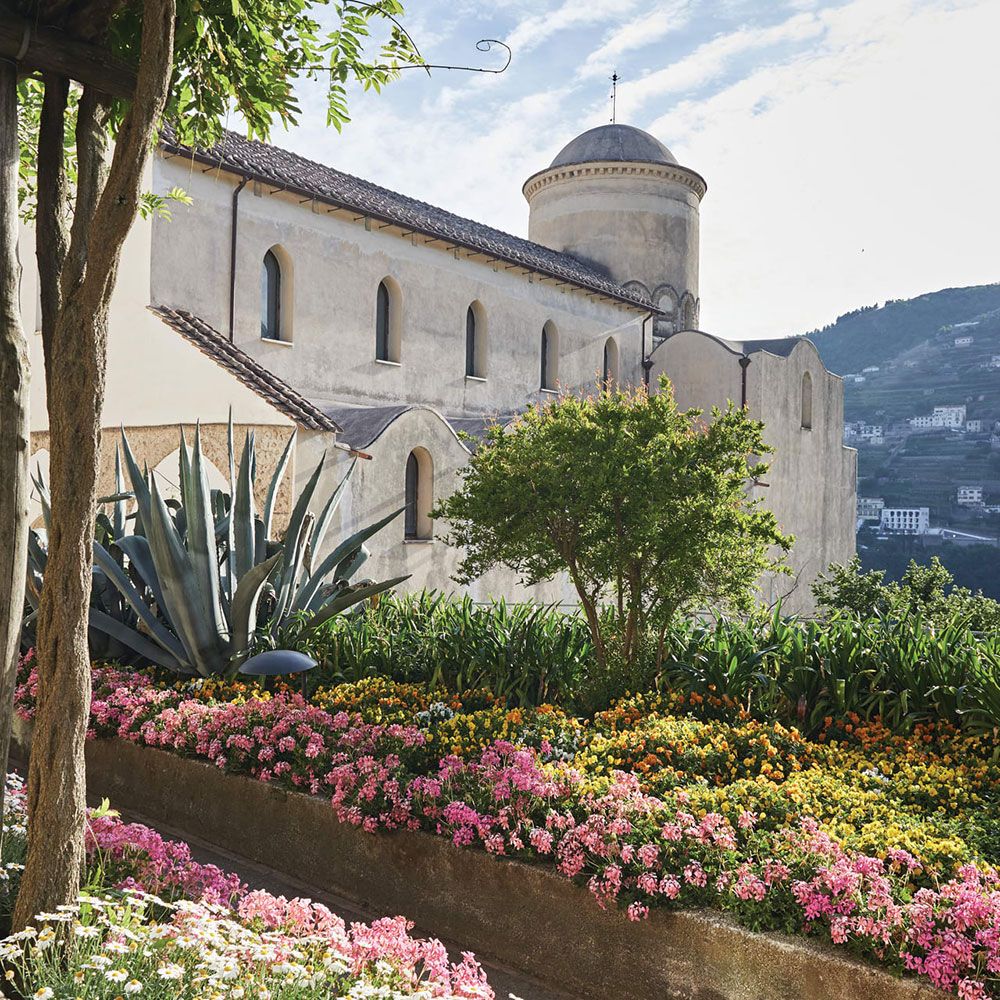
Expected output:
{"points": [[202, 577]]}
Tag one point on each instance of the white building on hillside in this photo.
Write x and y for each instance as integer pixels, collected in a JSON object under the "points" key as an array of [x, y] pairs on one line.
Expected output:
{"points": [[943, 416], [309, 299], [963, 341], [969, 496], [870, 508], [905, 520], [974, 426]]}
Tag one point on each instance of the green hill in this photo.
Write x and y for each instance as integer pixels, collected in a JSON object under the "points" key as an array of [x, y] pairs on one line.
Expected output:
{"points": [[875, 334]]}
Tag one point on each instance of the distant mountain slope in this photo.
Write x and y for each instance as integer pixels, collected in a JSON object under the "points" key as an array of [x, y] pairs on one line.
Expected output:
{"points": [[873, 334]]}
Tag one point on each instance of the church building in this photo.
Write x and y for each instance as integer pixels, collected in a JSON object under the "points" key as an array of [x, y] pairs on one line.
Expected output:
{"points": [[372, 323]]}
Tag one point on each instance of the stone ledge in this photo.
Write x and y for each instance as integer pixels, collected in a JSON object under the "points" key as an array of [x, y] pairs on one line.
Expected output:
{"points": [[519, 914]]}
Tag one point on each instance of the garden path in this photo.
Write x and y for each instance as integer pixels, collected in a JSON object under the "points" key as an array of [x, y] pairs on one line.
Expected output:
{"points": [[505, 981]]}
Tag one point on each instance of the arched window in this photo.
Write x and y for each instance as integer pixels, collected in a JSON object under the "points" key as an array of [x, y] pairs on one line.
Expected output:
{"points": [[610, 369], [388, 321], [807, 401], [418, 495], [475, 341], [270, 297], [550, 356]]}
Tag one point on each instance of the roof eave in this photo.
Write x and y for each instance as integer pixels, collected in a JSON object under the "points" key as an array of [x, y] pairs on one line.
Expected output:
{"points": [[222, 164]]}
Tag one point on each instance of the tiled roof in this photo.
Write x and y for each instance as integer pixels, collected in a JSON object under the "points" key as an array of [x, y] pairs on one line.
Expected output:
{"points": [[250, 372], [263, 162], [364, 425]]}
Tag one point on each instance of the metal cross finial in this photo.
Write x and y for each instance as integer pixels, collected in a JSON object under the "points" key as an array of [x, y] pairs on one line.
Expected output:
{"points": [[614, 96]]}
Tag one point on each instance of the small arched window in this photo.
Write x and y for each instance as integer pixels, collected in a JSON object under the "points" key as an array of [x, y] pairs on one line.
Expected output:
{"points": [[388, 332], [550, 356], [475, 341], [382, 322], [270, 297], [418, 495], [807, 401], [609, 370]]}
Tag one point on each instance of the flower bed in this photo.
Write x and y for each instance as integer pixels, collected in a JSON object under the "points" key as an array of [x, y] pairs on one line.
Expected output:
{"points": [[781, 832], [167, 926]]}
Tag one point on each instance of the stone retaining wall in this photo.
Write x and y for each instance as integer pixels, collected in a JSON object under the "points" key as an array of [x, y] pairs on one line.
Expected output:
{"points": [[520, 914]]}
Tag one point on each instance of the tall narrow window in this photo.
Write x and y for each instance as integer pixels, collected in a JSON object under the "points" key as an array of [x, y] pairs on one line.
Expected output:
{"points": [[382, 311], [411, 495], [550, 356], [418, 495], [470, 342], [807, 401], [476, 341], [270, 298], [610, 370]]}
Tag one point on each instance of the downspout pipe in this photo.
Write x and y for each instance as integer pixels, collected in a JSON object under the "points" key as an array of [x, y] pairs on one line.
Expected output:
{"points": [[744, 365], [647, 361], [232, 258]]}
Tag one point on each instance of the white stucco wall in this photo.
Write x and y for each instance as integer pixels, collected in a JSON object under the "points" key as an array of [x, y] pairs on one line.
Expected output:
{"points": [[635, 222], [812, 480], [154, 375], [337, 265], [377, 488]]}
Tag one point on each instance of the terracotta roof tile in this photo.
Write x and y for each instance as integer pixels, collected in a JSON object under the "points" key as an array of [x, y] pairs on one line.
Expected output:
{"points": [[250, 372], [284, 169]]}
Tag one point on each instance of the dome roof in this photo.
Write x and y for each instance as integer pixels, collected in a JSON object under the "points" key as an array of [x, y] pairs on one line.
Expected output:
{"points": [[620, 143]]}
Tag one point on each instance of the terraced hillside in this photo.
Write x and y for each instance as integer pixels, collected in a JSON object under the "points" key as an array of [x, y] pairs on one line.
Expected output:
{"points": [[877, 334], [912, 344]]}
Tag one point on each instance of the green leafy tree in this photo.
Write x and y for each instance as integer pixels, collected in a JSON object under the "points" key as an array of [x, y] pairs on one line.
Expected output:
{"points": [[104, 75], [925, 590], [645, 507]]}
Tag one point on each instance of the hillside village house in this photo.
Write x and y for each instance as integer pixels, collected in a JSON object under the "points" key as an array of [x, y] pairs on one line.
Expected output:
{"points": [[969, 496], [310, 300], [943, 416], [905, 520]]}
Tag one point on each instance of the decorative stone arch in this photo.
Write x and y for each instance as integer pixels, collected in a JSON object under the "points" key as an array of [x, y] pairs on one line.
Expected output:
{"points": [[167, 475], [666, 299], [549, 356], [476, 340], [418, 496], [277, 295], [636, 286], [389, 320], [688, 312]]}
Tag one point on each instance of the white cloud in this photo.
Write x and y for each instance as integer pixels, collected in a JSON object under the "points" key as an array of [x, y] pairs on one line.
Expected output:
{"points": [[710, 61], [532, 31], [860, 170], [648, 27]]}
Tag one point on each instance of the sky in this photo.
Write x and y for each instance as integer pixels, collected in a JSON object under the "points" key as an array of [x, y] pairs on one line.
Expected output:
{"points": [[851, 149]]}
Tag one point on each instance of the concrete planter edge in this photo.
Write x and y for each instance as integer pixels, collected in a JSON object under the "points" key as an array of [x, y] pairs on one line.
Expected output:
{"points": [[522, 915]]}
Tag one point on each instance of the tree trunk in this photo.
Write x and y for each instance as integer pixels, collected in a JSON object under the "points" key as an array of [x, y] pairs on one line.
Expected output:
{"points": [[75, 368], [14, 429]]}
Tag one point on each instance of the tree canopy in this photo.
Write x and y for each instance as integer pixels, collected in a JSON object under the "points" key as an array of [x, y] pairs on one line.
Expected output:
{"points": [[643, 505]]}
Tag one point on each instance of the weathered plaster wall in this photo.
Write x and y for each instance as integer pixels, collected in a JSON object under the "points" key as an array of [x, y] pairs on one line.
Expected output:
{"points": [[336, 266], [377, 488], [634, 222], [159, 445], [812, 481], [154, 375]]}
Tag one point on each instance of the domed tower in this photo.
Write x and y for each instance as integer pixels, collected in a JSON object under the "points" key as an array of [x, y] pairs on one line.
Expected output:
{"points": [[616, 198]]}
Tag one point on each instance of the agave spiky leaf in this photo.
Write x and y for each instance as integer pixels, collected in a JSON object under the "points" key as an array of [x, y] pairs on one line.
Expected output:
{"points": [[191, 602], [275, 484], [348, 598], [244, 611], [343, 552], [118, 577], [244, 513]]}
